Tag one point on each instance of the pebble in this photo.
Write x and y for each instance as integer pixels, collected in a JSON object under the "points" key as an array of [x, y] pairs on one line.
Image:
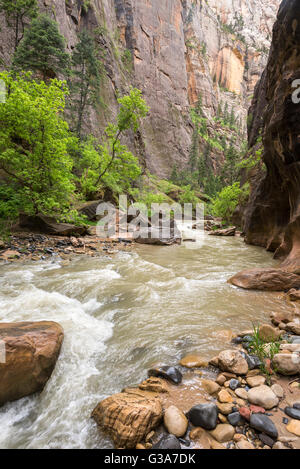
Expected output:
{"points": [[234, 384], [242, 393], [266, 440], [235, 419], [194, 361], [223, 433], [167, 442], [255, 381], [224, 397], [278, 390]]}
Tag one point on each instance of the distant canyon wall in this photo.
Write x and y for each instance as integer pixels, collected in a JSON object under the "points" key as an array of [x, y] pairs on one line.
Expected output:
{"points": [[181, 49]]}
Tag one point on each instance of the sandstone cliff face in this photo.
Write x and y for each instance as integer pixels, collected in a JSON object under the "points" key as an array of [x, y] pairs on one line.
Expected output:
{"points": [[180, 49], [272, 218]]}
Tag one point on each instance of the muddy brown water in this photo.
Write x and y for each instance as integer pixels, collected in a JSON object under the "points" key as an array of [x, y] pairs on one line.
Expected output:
{"points": [[121, 315]]}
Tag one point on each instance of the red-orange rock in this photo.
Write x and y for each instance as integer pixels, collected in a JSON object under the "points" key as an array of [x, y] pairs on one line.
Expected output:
{"points": [[32, 349]]}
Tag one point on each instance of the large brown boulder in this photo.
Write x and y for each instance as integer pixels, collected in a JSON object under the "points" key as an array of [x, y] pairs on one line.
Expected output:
{"points": [[48, 225], [266, 280], [129, 416], [31, 352]]}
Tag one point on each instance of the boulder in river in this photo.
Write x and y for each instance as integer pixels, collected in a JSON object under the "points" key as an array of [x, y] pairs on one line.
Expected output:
{"points": [[128, 417], [170, 373], [155, 236], [225, 232], [266, 280], [31, 352], [48, 225]]}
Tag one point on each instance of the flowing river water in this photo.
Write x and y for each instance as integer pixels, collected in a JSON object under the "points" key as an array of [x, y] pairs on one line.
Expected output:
{"points": [[121, 315]]}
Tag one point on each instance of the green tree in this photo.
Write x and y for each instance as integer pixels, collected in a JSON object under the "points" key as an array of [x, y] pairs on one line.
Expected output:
{"points": [[85, 80], [226, 202], [16, 13], [42, 50], [110, 163], [34, 142]]}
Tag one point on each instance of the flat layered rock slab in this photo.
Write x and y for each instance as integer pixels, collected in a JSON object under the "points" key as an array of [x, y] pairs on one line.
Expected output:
{"points": [[266, 280], [31, 352]]}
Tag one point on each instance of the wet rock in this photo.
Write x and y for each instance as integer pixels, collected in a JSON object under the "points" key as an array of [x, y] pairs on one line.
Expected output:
{"points": [[193, 361], [294, 327], [294, 427], [128, 417], [294, 295], [235, 419], [32, 349], [204, 415], [233, 362], [175, 421], [155, 385], [292, 412], [167, 442], [263, 396], [169, 373], [223, 433], [211, 387], [266, 280], [296, 405], [264, 424], [286, 364], [225, 232], [155, 236], [201, 436]]}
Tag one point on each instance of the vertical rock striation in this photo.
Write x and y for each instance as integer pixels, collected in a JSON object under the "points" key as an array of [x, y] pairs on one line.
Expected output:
{"points": [[272, 218]]}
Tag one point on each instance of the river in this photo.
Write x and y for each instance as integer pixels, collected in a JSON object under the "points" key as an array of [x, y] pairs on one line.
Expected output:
{"points": [[121, 315]]}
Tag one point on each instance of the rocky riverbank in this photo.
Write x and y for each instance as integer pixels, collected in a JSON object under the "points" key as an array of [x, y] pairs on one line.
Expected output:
{"points": [[236, 400]]}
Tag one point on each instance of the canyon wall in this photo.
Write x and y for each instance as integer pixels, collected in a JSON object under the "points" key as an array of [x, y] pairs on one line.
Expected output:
{"points": [[180, 49], [272, 218]]}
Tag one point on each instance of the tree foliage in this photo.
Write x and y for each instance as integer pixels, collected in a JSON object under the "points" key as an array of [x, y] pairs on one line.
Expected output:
{"points": [[85, 80], [34, 142], [42, 50]]}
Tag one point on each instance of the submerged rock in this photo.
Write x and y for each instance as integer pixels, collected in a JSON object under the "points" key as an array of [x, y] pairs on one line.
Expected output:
{"points": [[128, 417], [169, 373], [204, 415], [31, 350]]}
